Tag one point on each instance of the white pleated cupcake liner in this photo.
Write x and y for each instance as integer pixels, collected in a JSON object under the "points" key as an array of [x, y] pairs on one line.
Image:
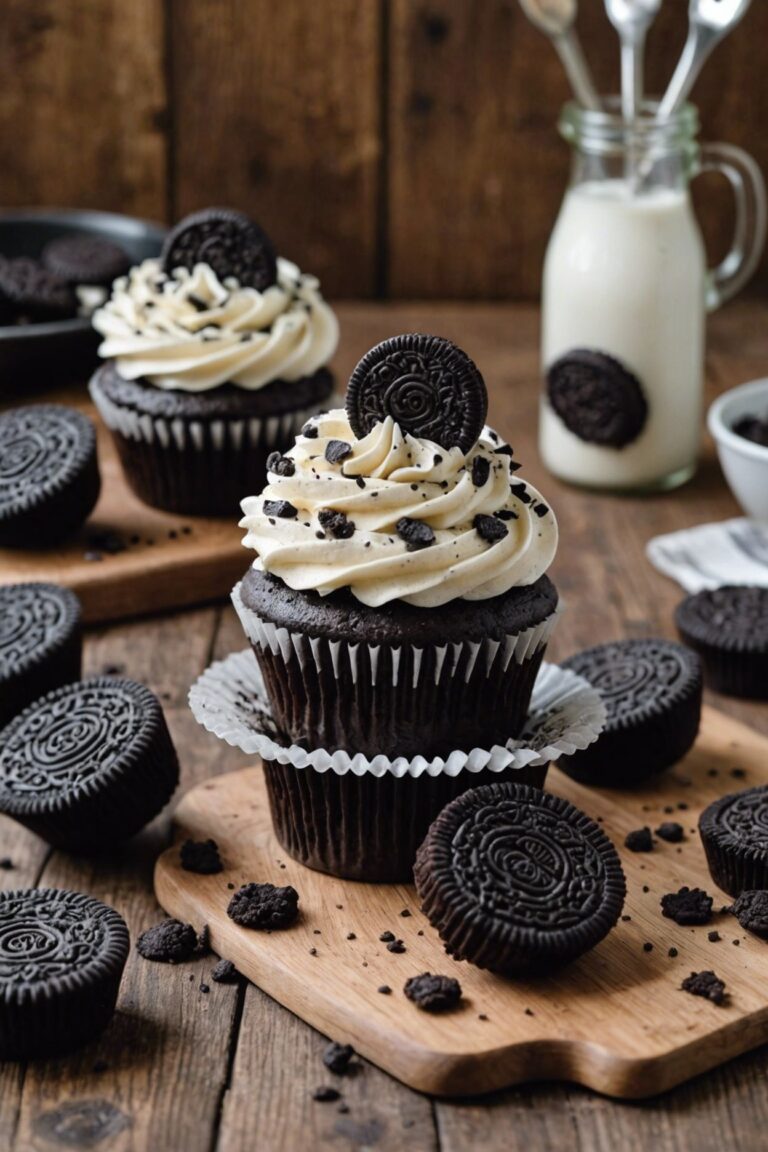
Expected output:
{"points": [[230, 701], [494, 655], [232, 434]]}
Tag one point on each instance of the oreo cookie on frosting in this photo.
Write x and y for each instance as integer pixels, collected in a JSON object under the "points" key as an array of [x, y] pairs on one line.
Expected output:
{"points": [[597, 398], [728, 627], [652, 691], [49, 475], [734, 832], [227, 241], [62, 957], [40, 643], [89, 764], [518, 881]]}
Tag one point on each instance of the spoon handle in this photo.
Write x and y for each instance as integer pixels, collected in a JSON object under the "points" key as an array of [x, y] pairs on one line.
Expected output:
{"points": [[569, 50], [697, 48], [631, 78]]}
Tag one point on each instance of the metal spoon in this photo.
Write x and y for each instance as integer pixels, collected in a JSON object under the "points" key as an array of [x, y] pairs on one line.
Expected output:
{"points": [[708, 22], [556, 19], [631, 19]]}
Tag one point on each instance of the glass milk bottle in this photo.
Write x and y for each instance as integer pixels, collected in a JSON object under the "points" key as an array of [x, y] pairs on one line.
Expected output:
{"points": [[625, 295]]}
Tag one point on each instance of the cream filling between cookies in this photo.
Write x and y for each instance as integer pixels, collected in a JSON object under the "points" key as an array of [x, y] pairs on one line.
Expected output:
{"points": [[192, 332], [389, 475]]}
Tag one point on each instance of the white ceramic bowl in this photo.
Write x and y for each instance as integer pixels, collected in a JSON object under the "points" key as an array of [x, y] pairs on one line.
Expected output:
{"points": [[744, 463]]}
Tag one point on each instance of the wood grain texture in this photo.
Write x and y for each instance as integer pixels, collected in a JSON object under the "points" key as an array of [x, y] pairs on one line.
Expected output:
{"points": [[615, 1021], [476, 170], [276, 111], [83, 108], [612, 591]]}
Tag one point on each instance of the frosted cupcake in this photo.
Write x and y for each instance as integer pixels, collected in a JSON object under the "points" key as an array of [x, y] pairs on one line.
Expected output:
{"points": [[216, 355]]}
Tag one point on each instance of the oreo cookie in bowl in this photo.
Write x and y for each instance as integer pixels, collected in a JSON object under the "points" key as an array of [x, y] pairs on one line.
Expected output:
{"points": [[215, 355], [55, 269], [398, 605]]}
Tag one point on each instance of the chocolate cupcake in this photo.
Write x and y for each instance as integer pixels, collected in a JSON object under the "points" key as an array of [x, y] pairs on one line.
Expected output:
{"points": [[734, 832], [728, 627], [652, 691], [49, 474], [398, 604], [216, 355], [518, 881], [62, 957], [40, 643], [88, 765]]}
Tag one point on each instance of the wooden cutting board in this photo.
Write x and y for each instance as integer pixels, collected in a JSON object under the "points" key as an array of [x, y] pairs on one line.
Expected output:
{"points": [[164, 561], [616, 1020]]}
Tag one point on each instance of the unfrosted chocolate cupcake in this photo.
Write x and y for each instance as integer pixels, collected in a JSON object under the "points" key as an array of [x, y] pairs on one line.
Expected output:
{"points": [[216, 355], [398, 605], [728, 627]]}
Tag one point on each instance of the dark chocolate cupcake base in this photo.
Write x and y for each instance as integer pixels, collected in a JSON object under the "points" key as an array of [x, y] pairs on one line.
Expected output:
{"points": [[366, 827], [200, 453], [728, 627], [395, 680]]}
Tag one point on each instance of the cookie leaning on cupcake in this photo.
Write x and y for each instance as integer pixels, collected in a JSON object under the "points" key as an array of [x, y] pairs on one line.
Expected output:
{"points": [[216, 354], [399, 603]]}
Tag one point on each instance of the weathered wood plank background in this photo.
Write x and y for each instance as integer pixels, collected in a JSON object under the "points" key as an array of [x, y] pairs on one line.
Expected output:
{"points": [[401, 148]]}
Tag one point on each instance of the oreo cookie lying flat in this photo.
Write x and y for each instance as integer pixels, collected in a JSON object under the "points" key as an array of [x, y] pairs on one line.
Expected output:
{"points": [[517, 881], [652, 692], [728, 627], [227, 241], [49, 474], [734, 832], [85, 259], [62, 956], [597, 398], [89, 764], [429, 387], [40, 643], [35, 293]]}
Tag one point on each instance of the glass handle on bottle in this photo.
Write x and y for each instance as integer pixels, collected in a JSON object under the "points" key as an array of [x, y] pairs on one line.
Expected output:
{"points": [[746, 180]]}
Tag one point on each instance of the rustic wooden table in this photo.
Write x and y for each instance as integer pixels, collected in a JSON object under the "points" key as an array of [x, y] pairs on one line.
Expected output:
{"points": [[232, 1070]]}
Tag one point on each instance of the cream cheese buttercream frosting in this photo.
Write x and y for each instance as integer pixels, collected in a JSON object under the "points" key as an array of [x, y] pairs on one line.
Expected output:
{"points": [[192, 332], [394, 517]]}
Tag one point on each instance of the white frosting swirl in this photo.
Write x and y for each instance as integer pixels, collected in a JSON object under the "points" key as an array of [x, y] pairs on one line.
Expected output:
{"points": [[191, 331], [387, 476]]}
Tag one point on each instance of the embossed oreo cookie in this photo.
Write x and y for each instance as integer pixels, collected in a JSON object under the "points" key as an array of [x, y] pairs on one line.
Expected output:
{"points": [[728, 627], [597, 398], [62, 956], [34, 293], [40, 643], [516, 880], [89, 764], [734, 832], [652, 692], [85, 259], [426, 384], [227, 241], [49, 475]]}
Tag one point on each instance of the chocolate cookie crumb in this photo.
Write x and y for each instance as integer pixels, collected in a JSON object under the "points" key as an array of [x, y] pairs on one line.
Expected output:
{"points": [[170, 942], [201, 856], [204, 940], [283, 509], [225, 973], [670, 831], [481, 470], [714, 936], [688, 906], [384, 989], [280, 465], [415, 533], [337, 450], [336, 523], [7, 864], [351, 936], [489, 528], [639, 841], [326, 1095], [433, 993], [672, 953], [396, 946], [705, 984], [406, 912], [264, 906], [387, 937], [205, 989], [751, 911], [647, 947], [337, 1057]]}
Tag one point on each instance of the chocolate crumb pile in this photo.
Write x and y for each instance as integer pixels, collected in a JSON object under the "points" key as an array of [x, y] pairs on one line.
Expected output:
{"points": [[670, 831], [225, 973], [751, 911], [170, 942], [337, 1057], [705, 984], [688, 906], [433, 993], [639, 841], [264, 906]]}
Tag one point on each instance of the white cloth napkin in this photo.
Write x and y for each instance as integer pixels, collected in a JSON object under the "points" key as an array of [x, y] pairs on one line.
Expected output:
{"points": [[731, 552]]}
